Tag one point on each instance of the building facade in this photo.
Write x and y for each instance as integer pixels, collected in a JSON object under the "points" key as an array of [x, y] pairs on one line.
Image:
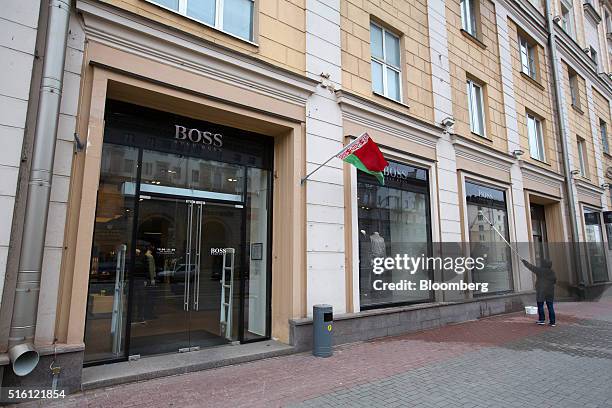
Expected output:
{"points": [[177, 217]]}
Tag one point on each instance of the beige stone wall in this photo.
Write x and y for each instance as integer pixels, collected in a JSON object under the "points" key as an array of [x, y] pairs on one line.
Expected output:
{"points": [[579, 124], [408, 19], [602, 111], [280, 30], [479, 59], [535, 97]]}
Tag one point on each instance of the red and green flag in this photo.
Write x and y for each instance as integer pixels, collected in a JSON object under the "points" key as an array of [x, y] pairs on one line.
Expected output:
{"points": [[364, 154]]}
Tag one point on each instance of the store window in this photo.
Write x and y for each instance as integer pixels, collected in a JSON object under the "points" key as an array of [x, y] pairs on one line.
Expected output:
{"points": [[595, 252], [232, 16], [393, 219], [486, 208]]}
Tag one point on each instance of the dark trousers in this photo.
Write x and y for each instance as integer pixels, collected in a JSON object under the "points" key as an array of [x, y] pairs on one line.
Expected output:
{"points": [[551, 311]]}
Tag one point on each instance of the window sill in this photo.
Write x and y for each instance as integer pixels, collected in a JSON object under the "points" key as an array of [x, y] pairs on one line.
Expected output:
{"points": [[400, 103], [481, 137], [474, 39], [217, 29], [538, 161], [533, 81], [577, 109]]}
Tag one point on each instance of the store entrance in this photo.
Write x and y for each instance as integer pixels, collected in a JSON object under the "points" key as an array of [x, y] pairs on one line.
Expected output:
{"points": [[184, 298], [181, 251]]}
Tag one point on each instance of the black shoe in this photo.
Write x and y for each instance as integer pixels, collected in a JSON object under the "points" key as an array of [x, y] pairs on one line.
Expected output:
{"points": [[552, 324], [541, 322]]}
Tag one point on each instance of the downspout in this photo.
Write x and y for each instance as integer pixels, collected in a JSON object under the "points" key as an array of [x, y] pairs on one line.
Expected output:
{"points": [[22, 353], [552, 39]]}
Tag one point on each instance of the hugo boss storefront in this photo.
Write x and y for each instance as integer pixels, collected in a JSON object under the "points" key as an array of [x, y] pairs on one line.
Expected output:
{"points": [[181, 253]]}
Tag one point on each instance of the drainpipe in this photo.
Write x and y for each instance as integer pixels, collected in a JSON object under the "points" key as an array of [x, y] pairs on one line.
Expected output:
{"points": [[552, 42], [22, 352]]}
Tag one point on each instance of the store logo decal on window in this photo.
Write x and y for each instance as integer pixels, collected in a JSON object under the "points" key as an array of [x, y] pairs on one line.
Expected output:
{"points": [[217, 251], [198, 136]]}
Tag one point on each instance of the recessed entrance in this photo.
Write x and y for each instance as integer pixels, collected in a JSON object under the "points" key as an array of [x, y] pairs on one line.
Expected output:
{"points": [[180, 257]]}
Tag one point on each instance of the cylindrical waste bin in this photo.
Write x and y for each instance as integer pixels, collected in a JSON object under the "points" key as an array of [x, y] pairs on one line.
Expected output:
{"points": [[322, 322]]}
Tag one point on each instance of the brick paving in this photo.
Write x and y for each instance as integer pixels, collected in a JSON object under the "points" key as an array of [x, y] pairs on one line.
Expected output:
{"points": [[504, 361]]}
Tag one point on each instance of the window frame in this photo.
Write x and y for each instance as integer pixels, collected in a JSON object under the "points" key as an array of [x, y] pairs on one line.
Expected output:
{"points": [[386, 64], [603, 134], [567, 23], [582, 159], [574, 88], [471, 85], [469, 14], [528, 57], [538, 138], [218, 23]]}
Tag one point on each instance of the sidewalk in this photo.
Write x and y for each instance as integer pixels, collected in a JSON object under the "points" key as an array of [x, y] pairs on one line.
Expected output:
{"points": [[505, 361]]}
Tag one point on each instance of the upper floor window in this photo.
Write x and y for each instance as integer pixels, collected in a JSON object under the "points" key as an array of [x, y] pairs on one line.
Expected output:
{"points": [[603, 130], [386, 70], [582, 158], [528, 57], [593, 55], [574, 88], [536, 139], [476, 107], [567, 17], [469, 13], [231, 16]]}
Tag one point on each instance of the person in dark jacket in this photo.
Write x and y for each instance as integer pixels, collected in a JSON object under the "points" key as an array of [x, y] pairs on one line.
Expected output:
{"points": [[545, 289]]}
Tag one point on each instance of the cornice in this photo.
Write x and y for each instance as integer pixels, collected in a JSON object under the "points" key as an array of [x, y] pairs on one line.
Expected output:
{"points": [[368, 113], [590, 12], [541, 175], [571, 51], [586, 188], [122, 30], [480, 153], [528, 17]]}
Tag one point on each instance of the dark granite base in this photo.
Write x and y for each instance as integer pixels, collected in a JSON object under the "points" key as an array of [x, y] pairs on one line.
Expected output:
{"points": [[69, 379], [371, 324]]}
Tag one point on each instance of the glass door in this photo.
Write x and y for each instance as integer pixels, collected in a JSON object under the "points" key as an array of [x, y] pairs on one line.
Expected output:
{"points": [[215, 300], [160, 280]]}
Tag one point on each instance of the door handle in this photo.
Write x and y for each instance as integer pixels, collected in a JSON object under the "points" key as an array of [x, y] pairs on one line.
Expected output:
{"points": [[198, 257], [188, 256]]}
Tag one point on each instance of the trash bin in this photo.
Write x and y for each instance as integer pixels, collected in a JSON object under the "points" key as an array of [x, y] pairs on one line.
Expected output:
{"points": [[322, 322]]}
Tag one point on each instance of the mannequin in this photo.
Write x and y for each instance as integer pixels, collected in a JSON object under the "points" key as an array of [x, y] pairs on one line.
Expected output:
{"points": [[379, 249]]}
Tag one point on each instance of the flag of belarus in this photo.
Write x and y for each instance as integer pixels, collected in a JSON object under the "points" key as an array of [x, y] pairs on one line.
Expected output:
{"points": [[364, 154]]}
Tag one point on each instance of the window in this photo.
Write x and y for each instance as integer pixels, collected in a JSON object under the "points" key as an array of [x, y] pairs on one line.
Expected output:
{"points": [[607, 26], [593, 55], [574, 90], [475, 108], [603, 130], [582, 159], [231, 16], [468, 16], [487, 205], [536, 141], [393, 219], [528, 57], [567, 18], [386, 70]]}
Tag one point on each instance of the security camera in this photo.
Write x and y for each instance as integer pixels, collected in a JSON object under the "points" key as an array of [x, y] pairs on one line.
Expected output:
{"points": [[557, 18], [447, 122], [575, 172], [518, 153]]}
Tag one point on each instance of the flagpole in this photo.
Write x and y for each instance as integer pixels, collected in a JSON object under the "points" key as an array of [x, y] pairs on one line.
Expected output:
{"points": [[328, 160]]}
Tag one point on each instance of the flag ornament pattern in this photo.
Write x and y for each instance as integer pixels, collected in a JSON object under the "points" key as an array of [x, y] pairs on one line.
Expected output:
{"points": [[364, 154]]}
